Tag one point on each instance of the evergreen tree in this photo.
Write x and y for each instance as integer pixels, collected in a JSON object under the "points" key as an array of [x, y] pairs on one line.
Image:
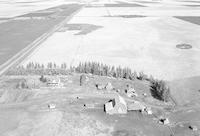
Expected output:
{"points": [[42, 66], [160, 90], [50, 65], [54, 66]]}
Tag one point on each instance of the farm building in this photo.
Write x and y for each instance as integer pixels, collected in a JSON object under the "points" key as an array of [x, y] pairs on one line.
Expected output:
{"points": [[52, 106], [116, 106], [164, 121], [108, 86], [83, 79], [130, 91], [99, 86], [54, 82]]}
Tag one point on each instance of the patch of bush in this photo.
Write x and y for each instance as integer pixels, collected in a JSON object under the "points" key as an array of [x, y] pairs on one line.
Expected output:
{"points": [[22, 85], [28, 84], [43, 79], [160, 90], [142, 76]]}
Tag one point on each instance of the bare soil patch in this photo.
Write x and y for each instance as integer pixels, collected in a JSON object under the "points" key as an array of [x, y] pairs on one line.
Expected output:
{"points": [[127, 16], [82, 28], [191, 19], [192, 1], [153, 2], [38, 14], [192, 5], [124, 5], [184, 46], [121, 4]]}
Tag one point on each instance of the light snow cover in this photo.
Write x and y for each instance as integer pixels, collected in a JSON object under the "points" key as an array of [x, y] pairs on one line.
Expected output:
{"points": [[143, 43], [12, 8]]}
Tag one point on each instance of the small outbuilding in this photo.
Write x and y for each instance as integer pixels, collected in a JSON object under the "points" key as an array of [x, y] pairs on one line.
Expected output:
{"points": [[116, 106], [193, 128], [148, 110], [52, 106], [164, 121], [100, 86], [109, 86], [144, 94], [54, 82], [130, 92]]}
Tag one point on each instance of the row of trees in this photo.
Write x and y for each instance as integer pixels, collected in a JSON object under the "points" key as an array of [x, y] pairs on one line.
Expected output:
{"points": [[159, 89], [94, 68], [112, 71], [49, 65]]}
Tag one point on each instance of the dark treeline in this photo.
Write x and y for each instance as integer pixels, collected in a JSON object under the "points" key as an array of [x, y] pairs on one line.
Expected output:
{"points": [[105, 70], [159, 89], [94, 68], [39, 69]]}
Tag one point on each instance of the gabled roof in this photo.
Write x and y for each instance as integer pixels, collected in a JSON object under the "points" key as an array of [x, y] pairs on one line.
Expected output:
{"points": [[116, 106]]}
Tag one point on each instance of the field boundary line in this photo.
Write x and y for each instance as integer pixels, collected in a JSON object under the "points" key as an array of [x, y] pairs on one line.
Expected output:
{"points": [[25, 52]]}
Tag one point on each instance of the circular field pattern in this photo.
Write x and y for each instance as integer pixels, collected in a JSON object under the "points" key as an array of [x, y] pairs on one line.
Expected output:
{"points": [[184, 46]]}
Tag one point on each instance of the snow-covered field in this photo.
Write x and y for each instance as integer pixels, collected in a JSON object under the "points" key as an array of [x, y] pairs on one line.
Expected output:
{"points": [[12, 8], [143, 43]]}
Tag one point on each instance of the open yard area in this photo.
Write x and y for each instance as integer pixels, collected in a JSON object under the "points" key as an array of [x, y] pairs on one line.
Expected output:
{"points": [[79, 110]]}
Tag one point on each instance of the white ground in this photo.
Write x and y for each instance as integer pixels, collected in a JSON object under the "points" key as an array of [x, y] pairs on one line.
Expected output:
{"points": [[12, 8], [144, 44]]}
